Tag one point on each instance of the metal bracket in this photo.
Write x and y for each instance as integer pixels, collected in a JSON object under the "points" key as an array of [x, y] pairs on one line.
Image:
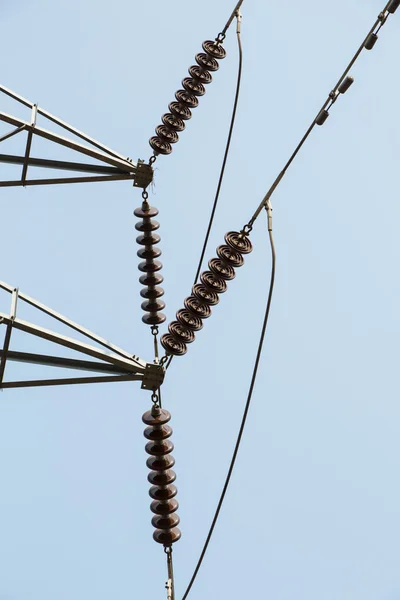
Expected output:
{"points": [[153, 377], [144, 175], [117, 365]]}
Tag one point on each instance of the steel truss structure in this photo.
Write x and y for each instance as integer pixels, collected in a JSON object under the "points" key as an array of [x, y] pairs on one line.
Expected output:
{"points": [[119, 365], [114, 166]]}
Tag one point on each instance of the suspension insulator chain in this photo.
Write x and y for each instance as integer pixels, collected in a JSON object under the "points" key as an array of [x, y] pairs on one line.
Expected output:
{"points": [[186, 99], [152, 304], [161, 476], [206, 294]]}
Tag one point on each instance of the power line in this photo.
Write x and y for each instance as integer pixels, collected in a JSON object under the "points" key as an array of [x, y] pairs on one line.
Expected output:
{"points": [[228, 143], [247, 405], [234, 13], [340, 88]]}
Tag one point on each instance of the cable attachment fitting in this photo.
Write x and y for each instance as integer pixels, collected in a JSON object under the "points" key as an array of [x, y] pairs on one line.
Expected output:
{"points": [[206, 294], [161, 476], [186, 99], [152, 293], [268, 208], [239, 18]]}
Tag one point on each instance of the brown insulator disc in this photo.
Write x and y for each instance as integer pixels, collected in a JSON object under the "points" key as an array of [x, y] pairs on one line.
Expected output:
{"points": [[149, 239], [198, 74], [200, 309], [160, 463], [147, 225], [150, 267], [156, 434], [164, 508], [154, 319], [174, 122], [160, 146], [147, 253], [153, 305], [163, 493], [232, 257], [163, 478], [167, 134], [214, 49], [167, 522], [159, 448], [151, 279], [161, 417], [186, 98], [207, 62], [182, 332], [167, 536], [141, 214], [173, 346], [213, 283], [180, 110], [239, 242], [221, 269], [189, 319], [204, 294], [193, 87], [152, 293]]}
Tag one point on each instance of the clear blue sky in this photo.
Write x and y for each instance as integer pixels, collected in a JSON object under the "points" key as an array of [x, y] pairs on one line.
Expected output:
{"points": [[313, 509]]}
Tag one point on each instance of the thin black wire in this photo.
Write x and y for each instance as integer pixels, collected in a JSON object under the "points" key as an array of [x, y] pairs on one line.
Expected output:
{"points": [[277, 181], [244, 418], [228, 143]]}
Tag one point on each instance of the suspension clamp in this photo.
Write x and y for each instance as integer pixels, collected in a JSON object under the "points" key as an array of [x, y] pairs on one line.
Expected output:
{"points": [[153, 377]]}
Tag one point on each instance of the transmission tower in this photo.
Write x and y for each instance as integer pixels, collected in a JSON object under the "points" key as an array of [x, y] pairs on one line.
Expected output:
{"points": [[101, 360]]}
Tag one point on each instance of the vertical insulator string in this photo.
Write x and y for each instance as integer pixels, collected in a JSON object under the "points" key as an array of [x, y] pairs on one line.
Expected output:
{"points": [[152, 304], [162, 477]]}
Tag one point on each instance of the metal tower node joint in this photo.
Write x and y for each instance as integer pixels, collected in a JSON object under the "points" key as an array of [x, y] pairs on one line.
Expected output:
{"points": [[144, 174], [153, 377]]}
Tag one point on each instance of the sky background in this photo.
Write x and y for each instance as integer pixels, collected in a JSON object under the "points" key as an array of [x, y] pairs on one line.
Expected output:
{"points": [[313, 508]]}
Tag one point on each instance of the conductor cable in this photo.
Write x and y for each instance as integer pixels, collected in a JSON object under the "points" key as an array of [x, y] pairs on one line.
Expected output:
{"points": [[340, 88], [247, 405]]}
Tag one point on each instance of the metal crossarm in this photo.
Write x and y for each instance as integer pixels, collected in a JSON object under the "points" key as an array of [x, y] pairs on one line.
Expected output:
{"points": [[65, 321], [117, 365], [67, 381], [114, 166]]}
